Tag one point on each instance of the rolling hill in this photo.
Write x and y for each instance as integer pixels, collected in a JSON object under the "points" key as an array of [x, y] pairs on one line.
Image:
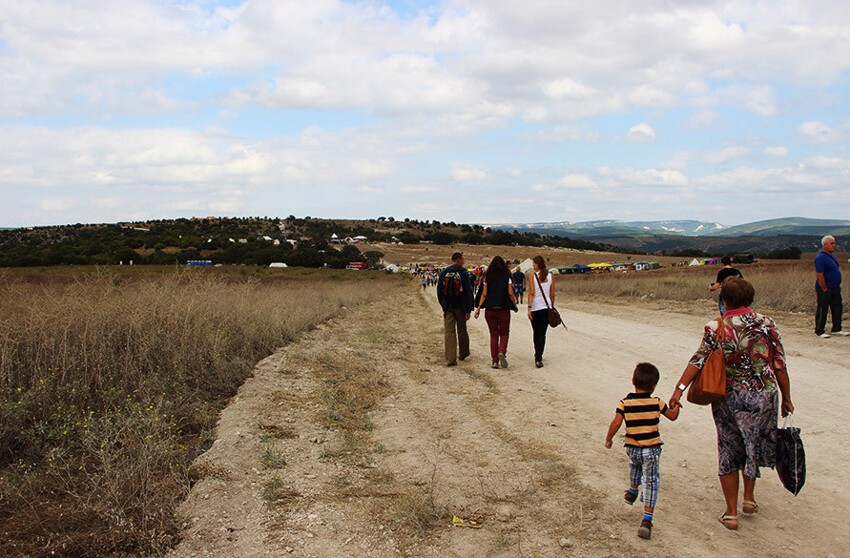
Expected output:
{"points": [[604, 229]]}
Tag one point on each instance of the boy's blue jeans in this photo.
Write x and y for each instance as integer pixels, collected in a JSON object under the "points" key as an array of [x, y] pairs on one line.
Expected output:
{"points": [[644, 470]]}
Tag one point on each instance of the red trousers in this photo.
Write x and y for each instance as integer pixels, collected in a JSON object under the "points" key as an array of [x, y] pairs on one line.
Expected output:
{"points": [[499, 324]]}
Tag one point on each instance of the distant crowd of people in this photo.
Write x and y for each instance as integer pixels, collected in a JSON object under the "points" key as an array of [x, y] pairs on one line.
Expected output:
{"points": [[757, 382]]}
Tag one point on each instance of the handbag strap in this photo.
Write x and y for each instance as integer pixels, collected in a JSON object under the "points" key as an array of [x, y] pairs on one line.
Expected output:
{"points": [[721, 331], [788, 421], [543, 294]]}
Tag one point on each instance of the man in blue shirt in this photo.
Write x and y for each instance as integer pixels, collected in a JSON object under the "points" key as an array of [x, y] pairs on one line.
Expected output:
{"points": [[828, 289]]}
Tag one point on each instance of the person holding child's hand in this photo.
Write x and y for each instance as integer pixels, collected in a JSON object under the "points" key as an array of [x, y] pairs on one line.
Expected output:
{"points": [[641, 412], [756, 376]]}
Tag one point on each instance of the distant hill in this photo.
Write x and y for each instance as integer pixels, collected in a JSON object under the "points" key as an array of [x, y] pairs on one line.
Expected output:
{"points": [[304, 242], [690, 236], [608, 229], [790, 225]]}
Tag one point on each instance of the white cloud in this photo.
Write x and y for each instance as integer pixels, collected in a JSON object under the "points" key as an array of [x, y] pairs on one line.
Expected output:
{"points": [[578, 182], [567, 88], [827, 163], [371, 190], [647, 177], [703, 119], [726, 154], [419, 189], [820, 132], [641, 133], [758, 99], [777, 151], [556, 134], [647, 95], [52, 204], [466, 171]]}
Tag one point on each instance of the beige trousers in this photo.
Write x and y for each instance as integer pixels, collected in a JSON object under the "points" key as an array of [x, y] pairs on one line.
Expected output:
{"points": [[457, 337]]}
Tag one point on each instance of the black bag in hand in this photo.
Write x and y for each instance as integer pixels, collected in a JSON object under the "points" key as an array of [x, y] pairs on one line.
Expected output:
{"points": [[790, 457]]}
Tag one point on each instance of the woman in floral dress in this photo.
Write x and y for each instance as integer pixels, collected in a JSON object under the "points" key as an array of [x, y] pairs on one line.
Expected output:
{"points": [[756, 376]]}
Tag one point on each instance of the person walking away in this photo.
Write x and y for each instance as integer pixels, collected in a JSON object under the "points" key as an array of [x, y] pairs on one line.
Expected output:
{"points": [[756, 378], [828, 290], [519, 283], [497, 299], [454, 293], [541, 289], [641, 413], [722, 275]]}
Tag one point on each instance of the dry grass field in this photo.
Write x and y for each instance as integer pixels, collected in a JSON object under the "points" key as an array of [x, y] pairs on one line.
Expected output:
{"points": [[111, 381]]}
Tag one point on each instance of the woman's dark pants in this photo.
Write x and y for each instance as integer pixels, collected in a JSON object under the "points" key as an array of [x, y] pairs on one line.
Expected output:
{"points": [[539, 324]]}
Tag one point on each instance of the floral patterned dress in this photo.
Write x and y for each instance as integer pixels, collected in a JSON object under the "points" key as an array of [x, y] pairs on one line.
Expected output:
{"points": [[746, 417]]}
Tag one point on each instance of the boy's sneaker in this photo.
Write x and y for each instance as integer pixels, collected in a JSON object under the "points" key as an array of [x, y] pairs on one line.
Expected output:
{"points": [[823, 335], [645, 530], [840, 333], [503, 360], [630, 497]]}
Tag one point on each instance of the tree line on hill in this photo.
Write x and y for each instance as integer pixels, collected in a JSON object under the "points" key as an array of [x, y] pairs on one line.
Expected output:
{"points": [[246, 241]]}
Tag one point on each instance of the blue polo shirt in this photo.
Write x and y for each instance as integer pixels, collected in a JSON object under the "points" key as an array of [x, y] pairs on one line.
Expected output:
{"points": [[828, 265]]}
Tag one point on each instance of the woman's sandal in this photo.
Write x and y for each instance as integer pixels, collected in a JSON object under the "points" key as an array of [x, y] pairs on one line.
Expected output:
{"points": [[749, 507], [729, 521]]}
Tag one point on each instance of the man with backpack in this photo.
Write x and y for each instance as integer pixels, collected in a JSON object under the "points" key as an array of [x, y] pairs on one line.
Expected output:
{"points": [[454, 293]]}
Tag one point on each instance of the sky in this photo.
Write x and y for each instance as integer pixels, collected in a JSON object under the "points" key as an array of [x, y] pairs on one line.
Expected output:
{"points": [[473, 111]]}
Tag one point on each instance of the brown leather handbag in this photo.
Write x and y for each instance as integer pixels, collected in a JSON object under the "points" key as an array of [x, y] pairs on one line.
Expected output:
{"points": [[710, 383], [554, 316]]}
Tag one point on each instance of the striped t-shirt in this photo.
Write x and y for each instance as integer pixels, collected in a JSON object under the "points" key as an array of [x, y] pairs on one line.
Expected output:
{"points": [[641, 413]]}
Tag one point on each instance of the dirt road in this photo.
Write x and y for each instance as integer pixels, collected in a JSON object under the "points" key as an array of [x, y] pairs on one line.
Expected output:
{"points": [[519, 451]]}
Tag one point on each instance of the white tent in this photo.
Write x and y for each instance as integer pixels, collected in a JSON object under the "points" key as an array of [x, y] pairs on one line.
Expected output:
{"points": [[393, 268], [526, 265], [694, 262], [278, 264]]}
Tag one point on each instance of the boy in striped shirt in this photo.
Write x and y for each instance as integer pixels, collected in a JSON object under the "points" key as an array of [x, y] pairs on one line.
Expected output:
{"points": [[642, 412]]}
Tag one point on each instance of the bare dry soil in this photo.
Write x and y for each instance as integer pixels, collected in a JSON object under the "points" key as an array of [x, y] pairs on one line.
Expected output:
{"points": [[358, 441]]}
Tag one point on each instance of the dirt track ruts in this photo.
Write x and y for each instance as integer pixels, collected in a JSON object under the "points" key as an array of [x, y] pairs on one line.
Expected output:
{"points": [[521, 449]]}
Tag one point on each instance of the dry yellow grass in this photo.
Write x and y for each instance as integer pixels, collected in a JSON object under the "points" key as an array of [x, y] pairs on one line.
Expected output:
{"points": [[785, 286], [110, 383]]}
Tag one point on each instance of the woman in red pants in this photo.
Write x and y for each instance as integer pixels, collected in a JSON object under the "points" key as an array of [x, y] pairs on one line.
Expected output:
{"points": [[498, 299]]}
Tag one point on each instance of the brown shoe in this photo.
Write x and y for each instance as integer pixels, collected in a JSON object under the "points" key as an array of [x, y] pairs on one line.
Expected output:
{"points": [[645, 530]]}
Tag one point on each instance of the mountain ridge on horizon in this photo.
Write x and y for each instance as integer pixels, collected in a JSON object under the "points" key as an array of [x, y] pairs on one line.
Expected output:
{"points": [[683, 227]]}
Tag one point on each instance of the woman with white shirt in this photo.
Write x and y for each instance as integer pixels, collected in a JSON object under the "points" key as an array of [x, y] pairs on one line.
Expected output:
{"points": [[541, 297]]}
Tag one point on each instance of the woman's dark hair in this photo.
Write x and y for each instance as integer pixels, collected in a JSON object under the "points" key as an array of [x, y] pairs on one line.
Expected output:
{"points": [[737, 292], [541, 265], [497, 268], [645, 376], [726, 260]]}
